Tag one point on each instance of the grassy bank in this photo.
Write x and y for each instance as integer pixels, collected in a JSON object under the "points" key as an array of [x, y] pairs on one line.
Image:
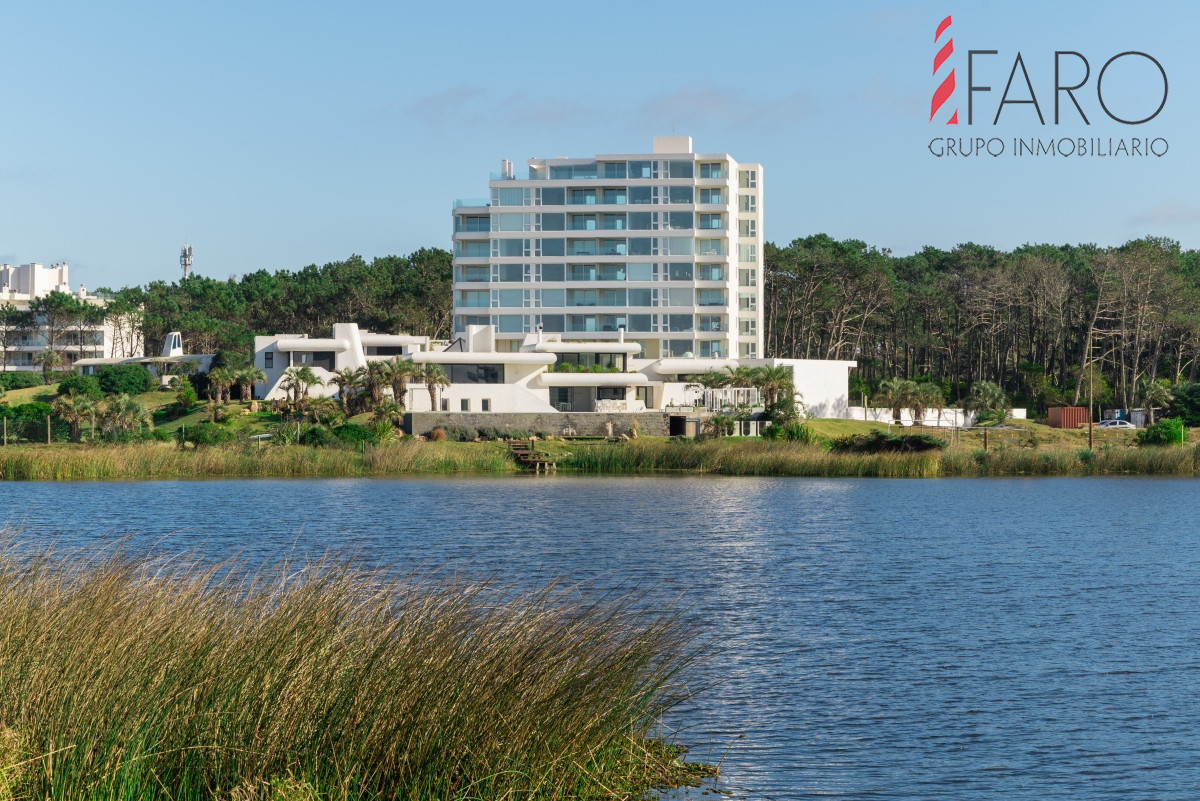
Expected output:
{"points": [[167, 680], [252, 460], [727, 456]]}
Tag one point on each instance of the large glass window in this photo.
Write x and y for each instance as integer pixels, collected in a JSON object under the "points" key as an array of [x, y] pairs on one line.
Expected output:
{"points": [[640, 271], [681, 194], [680, 296], [478, 373], [682, 169], [710, 272], [553, 222], [640, 220], [680, 220], [642, 169], [640, 297], [714, 169], [583, 197], [553, 247], [583, 222], [642, 195], [509, 248], [711, 297], [614, 197], [679, 347], [552, 272], [473, 274], [510, 197], [552, 298], [475, 299], [748, 179], [614, 169], [472, 250], [711, 323], [640, 322], [512, 272], [473, 224], [510, 297], [640, 246], [613, 222], [553, 323], [553, 196], [712, 220], [679, 322], [680, 271], [508, 324], [711, 196]]}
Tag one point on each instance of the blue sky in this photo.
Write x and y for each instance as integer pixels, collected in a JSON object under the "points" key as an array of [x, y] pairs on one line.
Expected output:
{"points": [[278, 135]]}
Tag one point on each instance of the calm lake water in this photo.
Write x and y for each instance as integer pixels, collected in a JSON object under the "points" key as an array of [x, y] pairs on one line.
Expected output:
{"points": [[936, 639]]}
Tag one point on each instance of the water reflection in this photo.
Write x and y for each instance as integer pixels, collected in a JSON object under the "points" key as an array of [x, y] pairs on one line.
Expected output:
{"points": [[881, 639]]}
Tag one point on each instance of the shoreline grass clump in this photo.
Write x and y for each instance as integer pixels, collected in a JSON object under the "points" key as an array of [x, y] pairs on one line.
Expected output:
{"points": [[137, 678]]}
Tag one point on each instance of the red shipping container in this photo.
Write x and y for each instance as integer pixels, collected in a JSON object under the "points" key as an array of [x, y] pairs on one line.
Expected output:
{"points": [[1067, 416]]}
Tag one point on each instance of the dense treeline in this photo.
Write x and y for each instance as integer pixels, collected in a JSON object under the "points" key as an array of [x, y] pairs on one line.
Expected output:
{"points": [[1043, 321], [390, 294]]}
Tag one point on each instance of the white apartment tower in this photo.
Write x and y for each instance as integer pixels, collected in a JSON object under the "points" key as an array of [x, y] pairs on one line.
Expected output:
{"points": [[664, 246]]}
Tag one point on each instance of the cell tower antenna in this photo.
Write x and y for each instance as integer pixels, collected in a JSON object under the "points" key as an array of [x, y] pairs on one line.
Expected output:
{"points": [[185, 259]]}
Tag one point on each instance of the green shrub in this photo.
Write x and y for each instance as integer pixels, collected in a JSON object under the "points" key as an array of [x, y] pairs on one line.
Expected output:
{"points": [[461, 433], [1169, 431], [316, 436], [203, 434], [354, 433], [127, 379], [791, 431], [86, 385], [496, 433], [20, 379], [880, 442]]}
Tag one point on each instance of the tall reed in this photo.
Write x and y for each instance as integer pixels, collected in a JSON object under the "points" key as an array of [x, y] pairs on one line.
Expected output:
{"points": [[144, 679]]}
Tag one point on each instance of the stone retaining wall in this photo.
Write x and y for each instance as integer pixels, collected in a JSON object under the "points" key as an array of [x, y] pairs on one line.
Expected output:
{"points": [[652, 424]]}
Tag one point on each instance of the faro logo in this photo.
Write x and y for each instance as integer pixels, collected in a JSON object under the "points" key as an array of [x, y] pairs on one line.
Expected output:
{"points": [[1072, 72]]}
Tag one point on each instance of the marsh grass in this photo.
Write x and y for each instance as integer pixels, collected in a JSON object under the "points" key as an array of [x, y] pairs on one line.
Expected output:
{"points": [[250, 460], [163, 679], [744, 457], [725, 456]]}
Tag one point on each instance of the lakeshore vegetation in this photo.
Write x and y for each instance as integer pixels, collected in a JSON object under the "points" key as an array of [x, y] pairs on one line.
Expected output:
{"points": [[159, 678]]}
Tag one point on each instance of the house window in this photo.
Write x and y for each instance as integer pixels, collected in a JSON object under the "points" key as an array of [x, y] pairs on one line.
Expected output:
{"points": [[445, 405], [486, 404], [465, 405], [269, 359]]}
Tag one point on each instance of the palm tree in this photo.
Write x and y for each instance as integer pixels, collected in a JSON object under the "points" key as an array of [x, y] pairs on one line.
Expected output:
{"points": [[434, 378], [123, 414], [402, 370], [390, 412], [349, 383], [246, 378], [924, 396], [931, 397], [376, 375], [220, 379], [1156, 395], [50, 360], [898, 394], [773, 382], [74, 409], [988, 401], [298, 380]]}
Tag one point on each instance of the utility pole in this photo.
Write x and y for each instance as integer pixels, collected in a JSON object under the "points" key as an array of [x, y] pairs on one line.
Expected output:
{"points": [[1091, 393]]}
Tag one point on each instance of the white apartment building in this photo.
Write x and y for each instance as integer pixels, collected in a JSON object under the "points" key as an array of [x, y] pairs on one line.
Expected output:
{"points": [[107, 337], [665, 246]]}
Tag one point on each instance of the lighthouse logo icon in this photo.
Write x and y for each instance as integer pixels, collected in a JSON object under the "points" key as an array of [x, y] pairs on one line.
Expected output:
{"points": [[946, 88]]}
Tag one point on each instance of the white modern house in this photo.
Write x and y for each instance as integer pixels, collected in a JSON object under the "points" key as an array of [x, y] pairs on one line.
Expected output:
{"points": [[549, 373], [163, 366], [665, 245], [112, 337]]}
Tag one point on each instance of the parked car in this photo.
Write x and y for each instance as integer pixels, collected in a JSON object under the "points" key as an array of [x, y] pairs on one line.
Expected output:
{"points": [[1115, 424]]}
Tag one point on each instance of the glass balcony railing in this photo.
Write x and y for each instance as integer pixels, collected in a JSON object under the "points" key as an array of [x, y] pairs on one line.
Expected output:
{"points": [[471, 202]]}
